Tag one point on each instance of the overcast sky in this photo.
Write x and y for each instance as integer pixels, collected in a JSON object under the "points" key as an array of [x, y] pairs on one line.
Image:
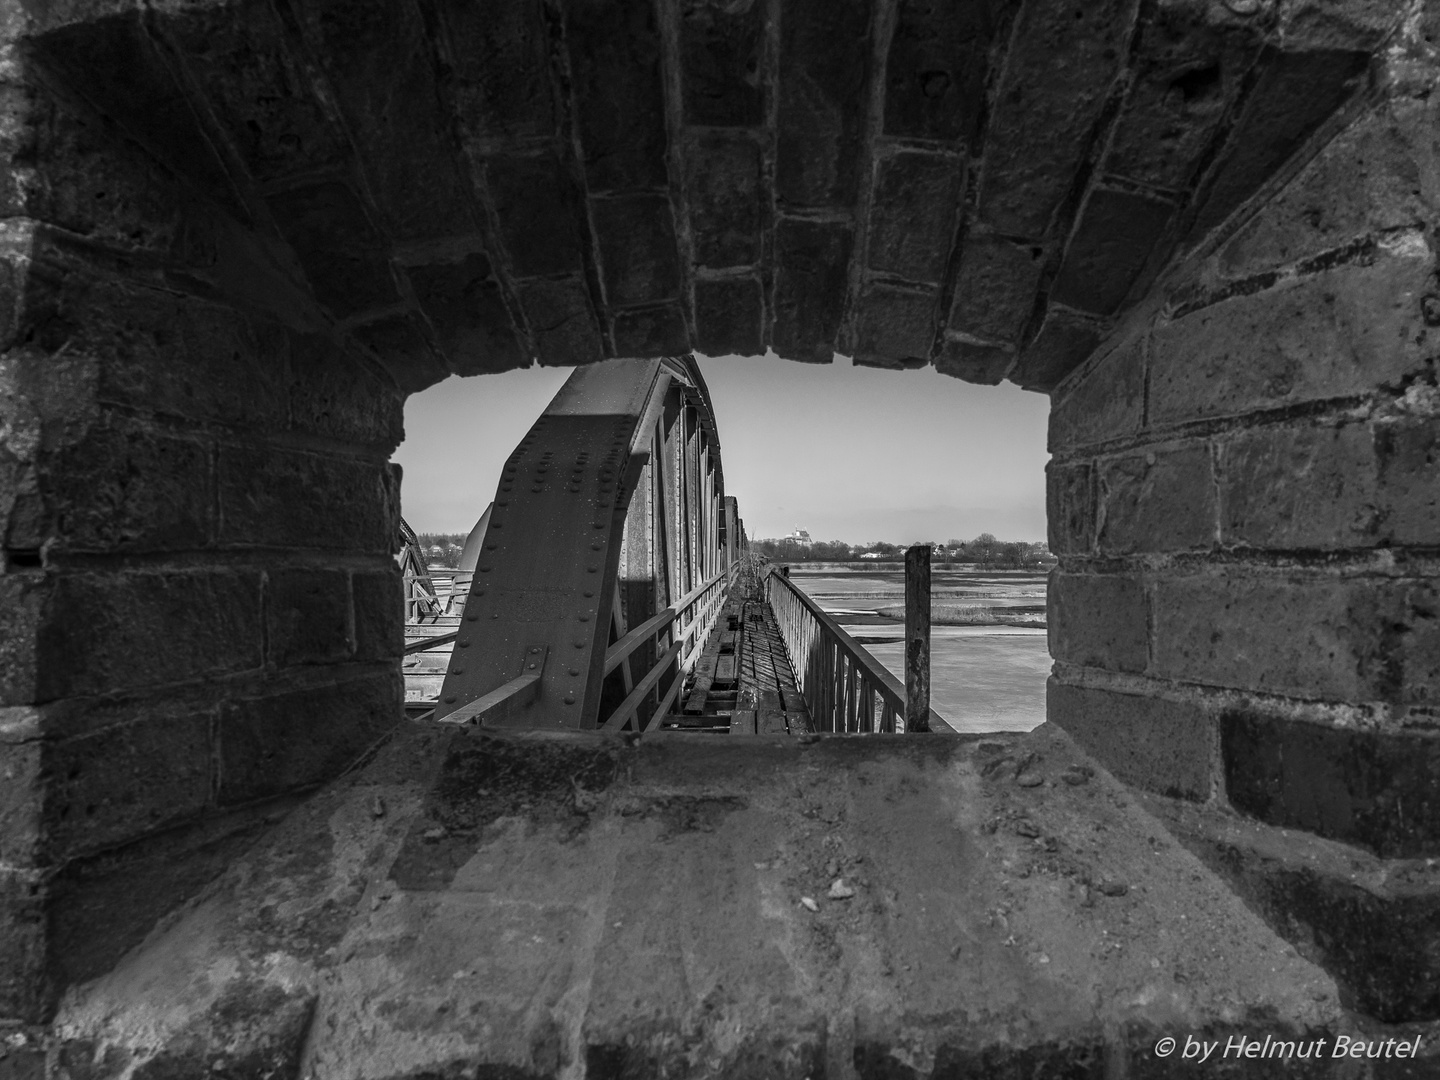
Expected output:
{"points": [[847, 453]]}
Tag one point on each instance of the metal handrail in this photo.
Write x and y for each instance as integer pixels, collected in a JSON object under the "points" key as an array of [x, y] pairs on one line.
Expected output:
{"points": [[838, 678], [421, 644]]}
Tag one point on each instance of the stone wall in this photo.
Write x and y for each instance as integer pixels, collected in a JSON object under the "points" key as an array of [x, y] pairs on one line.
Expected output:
{"points": [[1245, 497]]}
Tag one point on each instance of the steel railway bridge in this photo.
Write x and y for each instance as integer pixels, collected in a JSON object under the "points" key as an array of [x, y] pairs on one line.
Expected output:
{"points": [[609, 585]]}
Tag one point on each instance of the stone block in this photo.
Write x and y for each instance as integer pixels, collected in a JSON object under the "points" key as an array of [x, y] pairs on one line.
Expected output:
{"points": [[655, 331], [1367, 787], [619, 92], [824, 58], [1408, 454], [937, 68], [380, 61], [1070, 507], [973, 361], [1106, 402], [1056, 80], [379, 612], [1295, 93], [896, 326], [1156, 744], [1064, 342], [722, 47], [103, 633], [402, 344], [729, 316], [24, 601], [293, 740], [722, 182], [1318, 638], [307, 616], [128, 487], [115, 785], [1109, 249], [1374, 176], [463, 303], [282, 498], [1334, 334], [1098, 620], [25, 986], [1299, 487], [344, 256], [995, 288], [811, 271], [562, 322], [639, 260], [500, 69], [911, 188], [1159, 500], [339, 393], [257, 88], [1189, 64], [22, 797], [541, 213]]}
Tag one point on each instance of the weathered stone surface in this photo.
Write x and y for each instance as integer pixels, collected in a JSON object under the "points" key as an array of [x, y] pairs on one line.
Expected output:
{"points": [[562, 322], [379, 613], [25, 985], [973, 362], [722, 48], [1109, 249], [24, 598], [543, 213], [343, 254], [1408, 453], [1063, 343], [910, 187], [21, 798], [995, 288], [723, 188], [938, 66], [273, 497], [1152, 743], [402, 345], [651, 331], [1070, 507], [895, 324], [335, 391], [1106, 402], [1098, 620], [637, 249], [728, 316], [810, 262], [1158, 500], [1340, 332], [307, 616], [500, 58], [472, 325]]}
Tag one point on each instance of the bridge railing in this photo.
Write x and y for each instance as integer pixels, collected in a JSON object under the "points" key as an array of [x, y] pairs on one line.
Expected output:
{"points": [[688, 622], [845, 688]]}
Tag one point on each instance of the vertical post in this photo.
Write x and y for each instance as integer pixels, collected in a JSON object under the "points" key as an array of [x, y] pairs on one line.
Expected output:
{"points": [[917, 638]]}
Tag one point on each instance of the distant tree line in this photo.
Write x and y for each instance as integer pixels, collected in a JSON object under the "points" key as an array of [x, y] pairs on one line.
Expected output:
{"points": [[442, 549], [984, 551]]}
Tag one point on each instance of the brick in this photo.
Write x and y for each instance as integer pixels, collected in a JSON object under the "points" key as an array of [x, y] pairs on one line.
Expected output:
{"points": [[380, 60], [721, 50], [1158, 500], [1359, 786], [614, 52], [729, 313], [274, 497], [463, 303], [896, 326], [562, 322], [1299, 487], [1151, 743], [1374, 176], [307, 616], [657, 331], [974, 362], [1189, 66], [542, 213], [337, 393], [1107, 402], [378, 604], [344, 256], [1340, 332], [937, 68], [1109, 250], [995, 288], [636, 236], [402, 344], [130, 488], [102, 633], [824, 58], [116, 785], [1328, 638], [1408, 454], [1064, 342], [1057, 77], [812, 260], [500, 66], [22, 787], [290, 741], [722, 182], [25, 985], [1070, 507], [259, 93], [1098, 620], [910, 188], [1295, 93]]}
